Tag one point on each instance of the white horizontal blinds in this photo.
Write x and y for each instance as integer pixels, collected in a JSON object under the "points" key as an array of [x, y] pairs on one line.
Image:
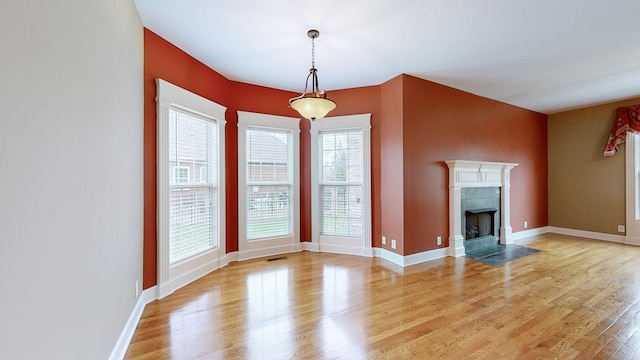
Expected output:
{"points": [[193, 186], [269, 182], [341, 183]]}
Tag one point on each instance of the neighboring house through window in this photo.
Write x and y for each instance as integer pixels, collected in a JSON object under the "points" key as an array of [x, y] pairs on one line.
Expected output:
{"points": [[190, 210], [268, 184], [180, 174], [193, 209]]}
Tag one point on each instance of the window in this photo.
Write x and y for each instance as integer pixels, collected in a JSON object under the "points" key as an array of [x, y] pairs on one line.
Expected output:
{"points": [[632, 188], [190, 194], [341, 183], [269, 182], [193, 205], [268, 185]]}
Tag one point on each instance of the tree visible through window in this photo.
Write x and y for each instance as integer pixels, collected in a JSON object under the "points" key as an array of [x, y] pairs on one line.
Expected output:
{"points": [[341, 183]]}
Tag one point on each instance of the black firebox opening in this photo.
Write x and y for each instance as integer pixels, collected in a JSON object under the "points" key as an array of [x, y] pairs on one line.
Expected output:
{"points": [[480, 222]]}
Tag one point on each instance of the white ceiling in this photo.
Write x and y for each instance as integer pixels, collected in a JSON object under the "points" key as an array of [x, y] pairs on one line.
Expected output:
{"points": [[542, 55]]}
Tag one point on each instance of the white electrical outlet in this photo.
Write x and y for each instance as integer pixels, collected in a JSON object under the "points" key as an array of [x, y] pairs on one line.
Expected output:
{"points": [[384, 240], [525, 224], [439, 240], [620, 228], [393, 243], [137, 288]]}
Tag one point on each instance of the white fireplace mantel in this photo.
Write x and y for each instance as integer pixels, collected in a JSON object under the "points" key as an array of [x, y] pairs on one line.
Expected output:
{"points": [[471, 174]]}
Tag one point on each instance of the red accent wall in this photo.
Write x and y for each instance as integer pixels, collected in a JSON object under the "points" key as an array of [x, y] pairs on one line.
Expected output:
{"points": [[252, 98], [363, 100], [442, 123], [416, 125], [392, 166], [164, 60]]}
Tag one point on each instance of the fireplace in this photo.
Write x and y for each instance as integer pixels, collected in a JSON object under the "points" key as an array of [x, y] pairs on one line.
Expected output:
{"points": [[480, 223], [478, 176], [480, 210]]}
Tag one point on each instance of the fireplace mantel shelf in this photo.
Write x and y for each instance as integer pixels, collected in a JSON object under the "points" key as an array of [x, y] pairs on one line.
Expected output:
{"points": [[471, 173]]}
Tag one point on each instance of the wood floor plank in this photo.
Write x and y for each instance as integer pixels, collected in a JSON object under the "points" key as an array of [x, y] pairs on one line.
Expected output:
{"points": [[576, 299]]}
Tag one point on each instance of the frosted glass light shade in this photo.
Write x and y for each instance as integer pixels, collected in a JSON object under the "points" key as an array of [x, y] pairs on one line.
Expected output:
{"points": [[313, 107]]}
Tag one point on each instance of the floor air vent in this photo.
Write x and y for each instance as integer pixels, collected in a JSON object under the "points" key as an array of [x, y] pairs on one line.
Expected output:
{"points": [[277, 258]]}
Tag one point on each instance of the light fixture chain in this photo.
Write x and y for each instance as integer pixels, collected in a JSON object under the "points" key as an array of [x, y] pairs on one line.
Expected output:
{"points": [[313, 52]]}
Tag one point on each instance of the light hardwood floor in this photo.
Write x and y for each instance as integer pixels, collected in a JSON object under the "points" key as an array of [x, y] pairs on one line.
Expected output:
{"points": [[577, 299]]}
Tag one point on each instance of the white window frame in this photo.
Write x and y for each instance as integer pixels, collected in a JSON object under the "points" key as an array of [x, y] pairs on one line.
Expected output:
{"points": [[340, 244], [171, 277], [632, 188], [248, 249], [176, 177]]}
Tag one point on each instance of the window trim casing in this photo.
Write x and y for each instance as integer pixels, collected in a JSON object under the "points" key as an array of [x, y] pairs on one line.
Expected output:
{"points": [[172, 277], [632, 189], [248, 249], [348, 122]]}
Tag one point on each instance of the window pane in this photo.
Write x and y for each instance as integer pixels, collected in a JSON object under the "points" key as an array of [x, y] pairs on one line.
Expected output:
{"points": [[268, 211], [342, 156], [192, 143], [193, 210], [341, 210], [191, 228], [268, 155]]}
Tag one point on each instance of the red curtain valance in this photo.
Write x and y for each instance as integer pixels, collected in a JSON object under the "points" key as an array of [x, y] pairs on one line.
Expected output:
{"points": [[627, 119]]}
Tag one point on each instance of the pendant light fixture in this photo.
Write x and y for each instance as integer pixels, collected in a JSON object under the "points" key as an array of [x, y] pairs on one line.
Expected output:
{"points": [[313, 105]]}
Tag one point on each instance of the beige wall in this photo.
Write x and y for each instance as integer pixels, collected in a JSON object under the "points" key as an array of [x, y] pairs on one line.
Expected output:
{"points": [[71, 175], [586, 189]]}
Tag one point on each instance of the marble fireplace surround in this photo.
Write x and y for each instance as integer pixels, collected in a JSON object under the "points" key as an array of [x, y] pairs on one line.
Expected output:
{"points": [[473, 174]]}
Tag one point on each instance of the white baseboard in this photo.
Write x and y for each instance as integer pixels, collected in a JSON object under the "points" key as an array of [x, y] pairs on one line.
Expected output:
{"points": [[526, 236], [228, 258], [425, 256], [345, 250], [632, 240], [338, 249], [271, 251], [149, 295], [587, 234], [120, 349], [189, 277], [390, 256], [520, 237], [310, 246], [412, 259]]}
